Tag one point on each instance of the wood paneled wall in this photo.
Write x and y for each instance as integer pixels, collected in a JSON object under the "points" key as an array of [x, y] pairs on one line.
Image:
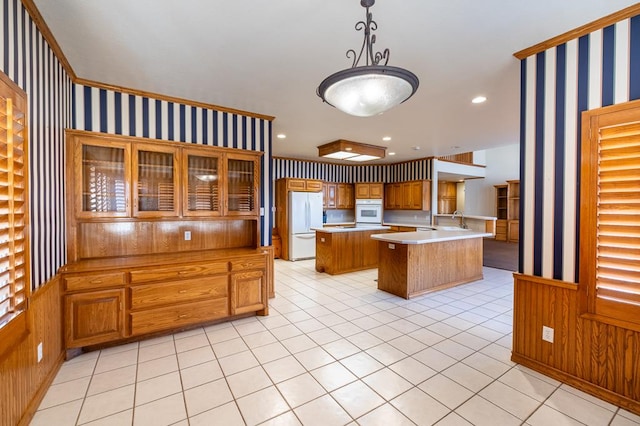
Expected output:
{"points": [[24, 381], [599, 358]]}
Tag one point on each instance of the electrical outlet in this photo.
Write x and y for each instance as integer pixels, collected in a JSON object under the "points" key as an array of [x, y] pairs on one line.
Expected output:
{"points": [[547, 334], [187, 235], [261, 211], [39, 351]]}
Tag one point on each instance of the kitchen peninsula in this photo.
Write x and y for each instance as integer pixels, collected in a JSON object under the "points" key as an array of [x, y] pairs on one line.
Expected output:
{"points": [[414, 263], [341, 249]]}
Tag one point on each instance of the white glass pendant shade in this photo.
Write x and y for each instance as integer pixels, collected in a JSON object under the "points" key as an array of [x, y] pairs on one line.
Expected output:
{"points": [[368, 90]]}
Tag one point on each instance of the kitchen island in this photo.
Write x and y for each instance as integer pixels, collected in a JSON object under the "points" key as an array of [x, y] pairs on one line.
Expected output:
{"points": [[414, 263], [341, 249]]}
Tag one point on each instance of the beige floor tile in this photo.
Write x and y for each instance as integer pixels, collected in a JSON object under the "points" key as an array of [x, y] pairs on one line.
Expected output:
{"points": [[118, 419], [386, 354], [157, 388], [527, 384], [227, 415], [588, 397], [65, 392], [160, 350], [63, 414], [238, 362], [191, 342], [426, 337], [286, 332], [107, 403], [407, 344], [195, 357], [486, 365], [286, 419], [283, 369], [112, 379], [332, 376], [420, 407], [578, 408], [300, 390], [446, 391], [206, 397], [469, 340], [314, 358], [453, 349], [165, 411], [478, 411], [385, 415], [270, 352], [229, 347], [188, 333], [362, 364], [323, 411], [324, 336], [156, 340], [357, 398], [387, 383], [619, 420], [248, 381], [510, 400], [221, 332], [298, 344], [545, 416], [116, 360], [120, 348], [72, 371], [365, 340], [261, 338], [200, 374], [498, 352], [341, 348], [412, 370], [157, 367], [453, 419], [468, 377], [262, 405]]}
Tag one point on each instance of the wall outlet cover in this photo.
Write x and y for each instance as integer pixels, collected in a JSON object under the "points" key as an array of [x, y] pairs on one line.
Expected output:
{"points": [[187, 235], [40, 352], [547, 334]]}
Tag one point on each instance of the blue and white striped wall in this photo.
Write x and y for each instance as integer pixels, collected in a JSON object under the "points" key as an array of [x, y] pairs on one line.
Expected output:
{"points": [[108, 111], [346, 173], [29, 61], [599, 69]]}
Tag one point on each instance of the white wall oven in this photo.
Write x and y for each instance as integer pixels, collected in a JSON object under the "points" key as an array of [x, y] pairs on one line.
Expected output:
{"points": [[369, 212]]}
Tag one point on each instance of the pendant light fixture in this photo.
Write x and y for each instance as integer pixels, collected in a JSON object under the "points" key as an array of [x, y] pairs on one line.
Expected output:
{"points": [[372, 88]]}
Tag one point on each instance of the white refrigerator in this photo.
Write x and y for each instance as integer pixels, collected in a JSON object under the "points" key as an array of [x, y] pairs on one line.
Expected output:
{"points": [[305, 213]]}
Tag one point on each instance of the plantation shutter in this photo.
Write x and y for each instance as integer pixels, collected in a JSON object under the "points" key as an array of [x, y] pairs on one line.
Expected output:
{"points": [[617, 283], [14, 285]]}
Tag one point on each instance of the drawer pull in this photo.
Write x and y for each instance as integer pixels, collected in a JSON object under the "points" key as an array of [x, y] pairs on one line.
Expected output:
{"points": [[182, 272], [183, 316], [96, 281], [182, 291]]}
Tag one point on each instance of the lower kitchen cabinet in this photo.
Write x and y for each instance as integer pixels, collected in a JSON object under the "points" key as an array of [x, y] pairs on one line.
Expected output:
{"points": [[107, 300], [94, 317]]}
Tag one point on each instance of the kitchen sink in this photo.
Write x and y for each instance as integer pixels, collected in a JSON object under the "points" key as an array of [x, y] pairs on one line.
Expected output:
{"points": [[452, 228]]}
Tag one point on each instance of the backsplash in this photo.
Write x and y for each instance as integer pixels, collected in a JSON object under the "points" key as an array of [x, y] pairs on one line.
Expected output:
{"points": [[340, 216], [407, 217]]}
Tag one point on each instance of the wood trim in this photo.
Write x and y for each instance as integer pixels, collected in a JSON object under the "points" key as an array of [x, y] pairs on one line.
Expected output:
{"points": [[167, 98], [578, 383], [31, 409], [37, 18], [545, 281], [580, 31]]}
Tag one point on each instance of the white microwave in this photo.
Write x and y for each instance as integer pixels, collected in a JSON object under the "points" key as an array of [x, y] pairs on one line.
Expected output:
{"points": [[369, 211]]}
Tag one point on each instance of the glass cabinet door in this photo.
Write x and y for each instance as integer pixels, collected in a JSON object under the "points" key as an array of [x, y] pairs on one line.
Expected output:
{"points": [[103, 180], [201, 177], [155, 184], [241, 185]]}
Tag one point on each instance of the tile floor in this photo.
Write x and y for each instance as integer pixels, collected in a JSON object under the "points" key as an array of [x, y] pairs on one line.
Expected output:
{"points": [[333, 351]]}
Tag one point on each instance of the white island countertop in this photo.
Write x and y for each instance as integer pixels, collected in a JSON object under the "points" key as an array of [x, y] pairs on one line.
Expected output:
{"points": [[470, 216], [428, 237], [351, 228]]}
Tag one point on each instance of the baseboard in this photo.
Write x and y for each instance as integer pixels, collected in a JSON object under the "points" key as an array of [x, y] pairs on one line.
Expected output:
{"points": [[578, 383], [28, 414]]}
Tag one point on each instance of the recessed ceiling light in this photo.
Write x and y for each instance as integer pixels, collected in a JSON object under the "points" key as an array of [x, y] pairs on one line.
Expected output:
{"points": [[391, 153], [479, 99], [281, 136], [455, 147], [416, 148], [386, 138]]}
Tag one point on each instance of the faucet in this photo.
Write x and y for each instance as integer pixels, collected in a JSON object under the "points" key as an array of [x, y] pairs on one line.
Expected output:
{"points": [[463, 225]]}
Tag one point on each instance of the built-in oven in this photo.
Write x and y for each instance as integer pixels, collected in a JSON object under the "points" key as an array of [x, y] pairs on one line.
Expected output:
{"points": [[369, 211]]}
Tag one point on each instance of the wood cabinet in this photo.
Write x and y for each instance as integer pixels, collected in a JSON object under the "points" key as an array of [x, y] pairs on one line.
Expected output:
{"points": [[513, 210], [341, 252], [501, 212], [329, 195], [369, 190], [337, 196], [447, 197], [412, 195], [155, 180], [305, 185], [107, 300]]}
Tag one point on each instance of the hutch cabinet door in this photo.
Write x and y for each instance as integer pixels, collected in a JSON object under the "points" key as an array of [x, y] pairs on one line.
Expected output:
{"points": [[247, 292], [155, 181], [242, 183], [102, 178], [94, 317], [201, 179]]}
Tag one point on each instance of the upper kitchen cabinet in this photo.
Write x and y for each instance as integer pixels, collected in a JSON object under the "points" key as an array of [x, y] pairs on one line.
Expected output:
{"points": [[366, 191], [202, 176], [337, 196], [412, 195], [102, 170], [304, 185], [241, 185], [447, 197], [155, 180]]}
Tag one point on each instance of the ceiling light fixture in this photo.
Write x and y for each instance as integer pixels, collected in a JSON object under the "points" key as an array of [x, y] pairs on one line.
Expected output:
{"points": [[352, 151], [386, 138], [281, 136], [369, 89], [479, 99]]}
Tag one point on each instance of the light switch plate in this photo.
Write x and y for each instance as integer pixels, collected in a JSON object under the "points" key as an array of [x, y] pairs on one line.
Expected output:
{"points": [[547, 334]]}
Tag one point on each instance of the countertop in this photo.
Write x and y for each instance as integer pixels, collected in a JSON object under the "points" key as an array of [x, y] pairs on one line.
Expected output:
{"points": [[427, 237], [470, 216], [350, 228]]}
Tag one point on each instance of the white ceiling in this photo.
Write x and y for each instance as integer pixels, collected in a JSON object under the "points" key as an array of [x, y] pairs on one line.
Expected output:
{"points": [[268, 57]]}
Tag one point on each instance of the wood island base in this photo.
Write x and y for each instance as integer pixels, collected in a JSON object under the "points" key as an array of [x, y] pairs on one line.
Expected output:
{"points": [[409, 270]]}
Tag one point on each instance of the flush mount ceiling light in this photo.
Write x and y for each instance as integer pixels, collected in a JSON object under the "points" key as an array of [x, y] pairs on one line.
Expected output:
{"points": [[372, 88], [352, 151]]}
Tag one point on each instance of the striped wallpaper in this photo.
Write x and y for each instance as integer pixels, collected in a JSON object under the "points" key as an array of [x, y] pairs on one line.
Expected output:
{"points": [[346, 173], [108, 111], [29, 61], [599, 69]]}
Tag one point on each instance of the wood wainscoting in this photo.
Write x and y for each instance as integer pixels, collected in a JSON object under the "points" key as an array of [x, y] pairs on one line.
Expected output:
{"points": [[599, 358], [24, 381]]}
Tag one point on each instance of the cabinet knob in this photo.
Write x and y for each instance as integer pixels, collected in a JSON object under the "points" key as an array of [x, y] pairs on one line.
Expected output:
{"points": [[183, 316], [182, 291]]}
